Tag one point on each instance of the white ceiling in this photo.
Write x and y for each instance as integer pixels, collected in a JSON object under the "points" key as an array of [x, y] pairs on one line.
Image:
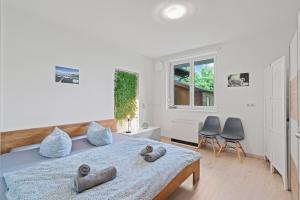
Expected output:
{"points": [[131, 23]]}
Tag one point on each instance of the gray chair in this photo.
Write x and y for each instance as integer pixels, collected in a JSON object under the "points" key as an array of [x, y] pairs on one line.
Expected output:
{"points": [[233, 132], [209, 132]]}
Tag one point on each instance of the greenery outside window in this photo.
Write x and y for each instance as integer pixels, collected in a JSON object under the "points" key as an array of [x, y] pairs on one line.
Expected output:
{"points": [[192, 83]]}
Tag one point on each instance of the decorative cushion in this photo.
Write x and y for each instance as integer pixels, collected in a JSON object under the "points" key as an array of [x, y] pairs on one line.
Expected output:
{"points": [[98, 135], [57, 144]]}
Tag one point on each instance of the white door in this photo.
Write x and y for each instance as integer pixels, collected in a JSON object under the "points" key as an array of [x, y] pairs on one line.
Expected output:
{"points": [[268, 112], [279, 133]]}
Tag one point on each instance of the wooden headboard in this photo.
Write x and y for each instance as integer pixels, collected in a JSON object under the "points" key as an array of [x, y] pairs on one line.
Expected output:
{"points": [[18, 138]]}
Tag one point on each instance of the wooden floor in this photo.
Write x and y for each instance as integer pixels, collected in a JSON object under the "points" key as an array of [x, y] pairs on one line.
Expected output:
{"points": [[226, 178]]}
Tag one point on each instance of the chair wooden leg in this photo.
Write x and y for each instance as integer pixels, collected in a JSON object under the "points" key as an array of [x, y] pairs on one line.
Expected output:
{"points": [[222, 148], [218, 142], [240, 146], [225, 145], [213, 145], [200, 141], [219, 146], [238, 150], [220, 151]]}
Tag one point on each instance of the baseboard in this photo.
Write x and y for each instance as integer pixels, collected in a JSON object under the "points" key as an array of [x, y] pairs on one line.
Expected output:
{"points": [[255, 156], [164, 138], [184, 142]]}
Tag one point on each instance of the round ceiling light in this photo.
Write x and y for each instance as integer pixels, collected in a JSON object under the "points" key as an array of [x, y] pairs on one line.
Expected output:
{"points": [[175, 11]]}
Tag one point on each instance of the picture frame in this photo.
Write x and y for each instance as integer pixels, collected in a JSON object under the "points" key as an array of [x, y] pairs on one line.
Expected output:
{"points": [[66, 75], [238, 80]]}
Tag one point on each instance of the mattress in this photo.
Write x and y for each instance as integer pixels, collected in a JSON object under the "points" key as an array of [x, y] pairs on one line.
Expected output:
{"points": [[21, 159]]}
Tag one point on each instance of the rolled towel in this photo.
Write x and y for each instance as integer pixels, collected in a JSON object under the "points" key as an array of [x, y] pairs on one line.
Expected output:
{"points": [[83, 170], [147, 149], [156, 154], [94, 179]]}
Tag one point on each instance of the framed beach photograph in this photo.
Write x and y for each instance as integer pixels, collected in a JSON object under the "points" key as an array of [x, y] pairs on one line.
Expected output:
{"points": [[238, 80], [66, 75]]}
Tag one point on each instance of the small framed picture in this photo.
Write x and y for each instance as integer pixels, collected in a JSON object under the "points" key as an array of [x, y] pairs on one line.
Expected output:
{"points": [[66, 75], [238, 80]]}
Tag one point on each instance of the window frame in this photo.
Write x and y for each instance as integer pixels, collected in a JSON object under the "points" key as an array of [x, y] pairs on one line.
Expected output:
{"points": [[191, 60]]}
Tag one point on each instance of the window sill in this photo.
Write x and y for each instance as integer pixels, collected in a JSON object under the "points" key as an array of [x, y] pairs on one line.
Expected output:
{"points": [[212, 109]]}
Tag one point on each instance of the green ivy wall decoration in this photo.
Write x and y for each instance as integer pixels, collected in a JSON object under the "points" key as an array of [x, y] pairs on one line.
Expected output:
{"points": [[126, 84]]}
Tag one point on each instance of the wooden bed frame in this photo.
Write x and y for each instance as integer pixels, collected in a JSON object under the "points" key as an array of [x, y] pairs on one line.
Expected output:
{"points": [[192, 169], [18, 138]]}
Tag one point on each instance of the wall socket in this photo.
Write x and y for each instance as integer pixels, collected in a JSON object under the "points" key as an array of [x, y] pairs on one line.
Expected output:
{"points": [[250, 104]]}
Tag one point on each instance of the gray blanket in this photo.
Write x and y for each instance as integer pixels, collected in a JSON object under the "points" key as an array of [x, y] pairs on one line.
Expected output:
{"points": [[137, 179], [10, 162]]}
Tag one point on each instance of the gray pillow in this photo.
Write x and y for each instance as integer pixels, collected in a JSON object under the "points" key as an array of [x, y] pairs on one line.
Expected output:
{"points": [[98, 135], [57, 144]]}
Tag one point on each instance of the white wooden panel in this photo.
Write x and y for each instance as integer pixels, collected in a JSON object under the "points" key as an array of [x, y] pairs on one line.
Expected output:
{"points": [[268, 145], [268, 112], [279, 132], [278, 71], [275, 133], [268, 82], [278, 137]]}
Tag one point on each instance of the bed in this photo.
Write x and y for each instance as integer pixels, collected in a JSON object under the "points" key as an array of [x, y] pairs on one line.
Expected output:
{"points": [[24, 172]]}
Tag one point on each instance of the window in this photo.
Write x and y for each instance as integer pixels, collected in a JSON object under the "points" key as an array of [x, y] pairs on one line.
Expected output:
{"points": [[182, 84], [192, 83]]}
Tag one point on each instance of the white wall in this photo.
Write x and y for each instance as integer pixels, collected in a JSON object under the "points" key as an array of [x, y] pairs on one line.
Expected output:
{"points": [[33, 46], [250, 55], [31, 98], [293, 100], [1, 73]]}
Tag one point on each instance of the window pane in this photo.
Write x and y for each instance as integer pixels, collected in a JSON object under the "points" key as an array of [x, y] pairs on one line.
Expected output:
{"points": [[204, 83], [182, 84]]}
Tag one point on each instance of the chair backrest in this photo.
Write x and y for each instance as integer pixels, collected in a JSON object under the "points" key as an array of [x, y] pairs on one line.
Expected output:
{"points": [[212, 124], [234, 126]]}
